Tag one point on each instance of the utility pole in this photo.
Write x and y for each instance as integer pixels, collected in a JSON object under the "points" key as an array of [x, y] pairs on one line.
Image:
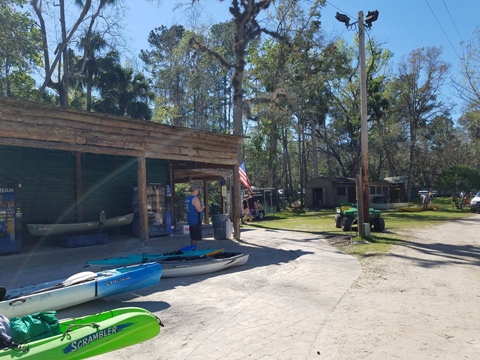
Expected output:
{"points": [[363, 130], [363, 185]]}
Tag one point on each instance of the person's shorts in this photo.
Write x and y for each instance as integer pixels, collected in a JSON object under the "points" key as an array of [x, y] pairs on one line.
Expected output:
{"points": [[196, 232]]}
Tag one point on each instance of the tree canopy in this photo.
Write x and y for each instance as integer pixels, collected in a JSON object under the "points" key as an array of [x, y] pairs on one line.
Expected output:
{"points": [[271, 73]]}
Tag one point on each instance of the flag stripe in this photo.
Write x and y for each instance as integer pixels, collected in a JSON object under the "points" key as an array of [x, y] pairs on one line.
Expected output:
{"points": [[242, 170]]}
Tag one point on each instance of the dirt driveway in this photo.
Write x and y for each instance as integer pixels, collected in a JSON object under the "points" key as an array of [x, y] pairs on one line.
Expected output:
{"points": [[300, 298], [422, 301]]}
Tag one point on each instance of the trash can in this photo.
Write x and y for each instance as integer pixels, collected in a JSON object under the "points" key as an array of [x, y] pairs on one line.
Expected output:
{"points": [[219, 224]]}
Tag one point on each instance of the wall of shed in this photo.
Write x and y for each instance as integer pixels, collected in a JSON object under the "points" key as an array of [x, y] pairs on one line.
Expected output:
{"points": [[48, 188], [319, 193]]}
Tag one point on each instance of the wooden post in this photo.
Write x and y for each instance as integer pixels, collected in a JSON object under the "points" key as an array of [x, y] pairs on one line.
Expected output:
{"points": [[172, 194], [360, 217], [78, 185], [235, 203], [205, 201], [142, 199]]}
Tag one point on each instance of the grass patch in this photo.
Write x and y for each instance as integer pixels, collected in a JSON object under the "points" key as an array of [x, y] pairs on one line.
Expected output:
{"points": [[322, 223]]}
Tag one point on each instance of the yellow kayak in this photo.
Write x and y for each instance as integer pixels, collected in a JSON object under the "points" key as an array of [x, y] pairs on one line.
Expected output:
{"points": [[418, 208]]}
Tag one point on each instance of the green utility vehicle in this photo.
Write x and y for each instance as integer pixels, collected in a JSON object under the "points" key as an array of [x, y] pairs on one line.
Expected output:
{"points": [[347, 215]]}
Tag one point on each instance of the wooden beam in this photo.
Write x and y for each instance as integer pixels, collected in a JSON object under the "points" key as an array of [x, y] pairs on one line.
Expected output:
{"points": [[171, 173], [142, 200], [78, 185], [205, 201], [30, 124]]}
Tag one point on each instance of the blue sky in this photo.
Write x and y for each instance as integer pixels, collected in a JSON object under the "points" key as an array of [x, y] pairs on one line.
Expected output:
{"points": [[402, 25]]}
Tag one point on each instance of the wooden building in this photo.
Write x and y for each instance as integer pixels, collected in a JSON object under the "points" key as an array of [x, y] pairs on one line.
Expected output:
{"points": [[68, 165], [330, 192]]}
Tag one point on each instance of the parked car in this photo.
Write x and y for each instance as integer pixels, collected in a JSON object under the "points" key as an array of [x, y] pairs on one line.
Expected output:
{"points": [[475, 203]]}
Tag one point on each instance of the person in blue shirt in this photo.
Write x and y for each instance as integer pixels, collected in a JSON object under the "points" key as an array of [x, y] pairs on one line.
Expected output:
{"points": [[194, 215]]}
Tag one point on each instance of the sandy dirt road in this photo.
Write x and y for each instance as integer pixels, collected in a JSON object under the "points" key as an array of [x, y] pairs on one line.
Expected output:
{"points": [[422, 301]]}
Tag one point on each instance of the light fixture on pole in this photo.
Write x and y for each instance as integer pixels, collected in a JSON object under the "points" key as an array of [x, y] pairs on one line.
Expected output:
{"points": [[364, 199], [371, 17], [343, 18]]}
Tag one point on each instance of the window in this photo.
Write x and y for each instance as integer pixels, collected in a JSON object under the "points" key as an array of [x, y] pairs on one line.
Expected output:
{"points": [[341, 191], [378, 190]]}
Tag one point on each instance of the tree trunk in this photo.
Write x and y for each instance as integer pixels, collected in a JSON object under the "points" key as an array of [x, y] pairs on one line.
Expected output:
{"points": [[314, 149], [237, 81], [61, 86]]}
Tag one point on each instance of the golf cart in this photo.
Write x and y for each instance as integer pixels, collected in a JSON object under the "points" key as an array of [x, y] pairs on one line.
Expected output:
{"points": [[347, 215], [259, 213]]}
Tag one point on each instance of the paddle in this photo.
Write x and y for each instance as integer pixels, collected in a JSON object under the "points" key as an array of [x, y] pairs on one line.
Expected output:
{"points": [[72, 280], [214, 252], [189, 257], [181, 250], [146, 257]]}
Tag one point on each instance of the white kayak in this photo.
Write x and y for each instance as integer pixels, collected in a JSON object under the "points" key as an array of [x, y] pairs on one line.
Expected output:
{"points": [[77, 289], [206, 265]]}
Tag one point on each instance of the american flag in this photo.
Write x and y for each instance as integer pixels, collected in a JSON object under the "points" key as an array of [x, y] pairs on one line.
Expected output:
{"points": [[242, 170]]}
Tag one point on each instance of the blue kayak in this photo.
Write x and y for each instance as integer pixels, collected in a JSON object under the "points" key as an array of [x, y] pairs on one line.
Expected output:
{"points": [[188, 253], [78, 288]]}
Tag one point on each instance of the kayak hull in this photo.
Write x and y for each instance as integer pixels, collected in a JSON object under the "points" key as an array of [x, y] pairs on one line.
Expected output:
{"points": [[142, 258], [202, 266], [53, 296], [418, 208], [91, 335], [61, 229]]}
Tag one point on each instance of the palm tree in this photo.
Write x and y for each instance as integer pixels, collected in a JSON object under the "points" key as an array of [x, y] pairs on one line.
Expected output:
{"points": [[91, 45], [122, 92]]}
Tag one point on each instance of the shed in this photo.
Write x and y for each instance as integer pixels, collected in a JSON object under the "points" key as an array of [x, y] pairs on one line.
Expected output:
{"points": [[67, 161], [329, 192]]}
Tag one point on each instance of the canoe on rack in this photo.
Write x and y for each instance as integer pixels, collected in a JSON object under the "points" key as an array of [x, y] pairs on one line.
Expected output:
{"points": [[60, 229]]}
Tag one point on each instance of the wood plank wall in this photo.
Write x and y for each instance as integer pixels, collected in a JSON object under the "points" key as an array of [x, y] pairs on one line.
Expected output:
{"points": [[31, 124]]}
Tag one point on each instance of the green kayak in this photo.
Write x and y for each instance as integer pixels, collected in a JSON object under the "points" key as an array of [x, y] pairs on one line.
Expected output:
{"points": [[91, 335]]}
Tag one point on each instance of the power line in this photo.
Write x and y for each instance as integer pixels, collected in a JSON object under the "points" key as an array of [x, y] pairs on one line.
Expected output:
{"points": [[343, 12], [442, 29], [453, 21]]}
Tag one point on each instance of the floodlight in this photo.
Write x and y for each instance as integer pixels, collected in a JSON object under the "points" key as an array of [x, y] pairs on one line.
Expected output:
{"points": [[343, 18], [371, 17]]}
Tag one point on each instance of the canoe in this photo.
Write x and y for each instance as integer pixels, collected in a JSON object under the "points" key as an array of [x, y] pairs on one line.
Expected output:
{"points": [[143, 258], [78, 288], [417, 208], [204, 265], [60, 229], [91, 335]]}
